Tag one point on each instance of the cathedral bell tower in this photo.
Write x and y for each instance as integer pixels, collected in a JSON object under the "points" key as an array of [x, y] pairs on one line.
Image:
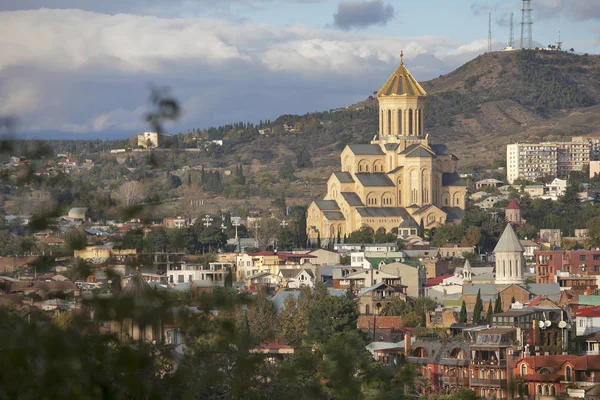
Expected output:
{"points": [[401, 106]]}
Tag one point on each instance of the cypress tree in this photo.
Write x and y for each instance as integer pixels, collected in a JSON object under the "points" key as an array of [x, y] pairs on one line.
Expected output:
{"points": [[228, 279], [462, 315], [478, 309], [338, 238], [498, 305], [490, 313], [318, 240], [345, 238], [513, 301], [421, 228]]}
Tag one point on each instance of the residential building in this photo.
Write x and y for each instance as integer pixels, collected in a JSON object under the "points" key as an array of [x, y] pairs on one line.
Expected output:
{"points": [[551, 238], [573, 263], [296, 278], [535, 191], [214, 272], [557, 188], [594, 168], [587, 321], [488, 183], [399, 176], [530, 161], [557, 376], [413, 276], [268, 261], [371, 300], [452, 250], [533, 160]]}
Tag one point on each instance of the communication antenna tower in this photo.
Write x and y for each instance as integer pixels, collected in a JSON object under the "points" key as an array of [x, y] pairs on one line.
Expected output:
{"points": [[511, 34], [526, 25], [558, 43], [490, 34]]}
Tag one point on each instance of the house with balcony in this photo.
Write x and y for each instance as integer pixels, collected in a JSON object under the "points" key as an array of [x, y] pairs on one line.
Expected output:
{"points": [[491, 371], [373, 299], [189, 272]]}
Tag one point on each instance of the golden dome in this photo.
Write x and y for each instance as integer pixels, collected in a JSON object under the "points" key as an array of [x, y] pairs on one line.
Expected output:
{"points": [[401, 83]]}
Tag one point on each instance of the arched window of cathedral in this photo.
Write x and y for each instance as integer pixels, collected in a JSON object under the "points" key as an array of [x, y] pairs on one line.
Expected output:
{"points": [[389, 122], [400, 132], [363, 166], [371, 199], [420, 119], [387, 199], [381, 231], [425, 186], [414, 186], [410, 122], [430, 218], [378, 166], [332, 231]]}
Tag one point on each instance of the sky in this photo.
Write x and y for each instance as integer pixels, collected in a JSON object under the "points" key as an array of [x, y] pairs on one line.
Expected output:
{"points": [[83, 68]]}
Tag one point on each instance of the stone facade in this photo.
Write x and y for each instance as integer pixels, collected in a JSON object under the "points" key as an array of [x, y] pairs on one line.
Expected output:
{"points": [[400, 176]]}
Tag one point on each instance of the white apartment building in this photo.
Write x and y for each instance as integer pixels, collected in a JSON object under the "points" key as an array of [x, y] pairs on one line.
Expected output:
{"points": [[530, 161], [215, 272]]}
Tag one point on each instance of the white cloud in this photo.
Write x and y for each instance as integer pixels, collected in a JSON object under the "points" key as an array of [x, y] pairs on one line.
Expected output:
{"points": [[88, 72]]}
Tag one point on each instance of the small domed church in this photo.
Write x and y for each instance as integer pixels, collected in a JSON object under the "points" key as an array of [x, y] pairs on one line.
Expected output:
{"points": [[400, 177]]}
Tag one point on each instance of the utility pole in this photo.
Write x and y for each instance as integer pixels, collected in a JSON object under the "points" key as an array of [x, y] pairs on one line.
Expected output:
{"points": [[490, 33], [511, 35]]}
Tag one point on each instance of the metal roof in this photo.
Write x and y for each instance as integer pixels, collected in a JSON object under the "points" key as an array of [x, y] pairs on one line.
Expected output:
{"points": [[327, 205], [366, 149], [334, 215], [374, 180], [383, 212], [344, 177], [509, 242], [352, 199]]}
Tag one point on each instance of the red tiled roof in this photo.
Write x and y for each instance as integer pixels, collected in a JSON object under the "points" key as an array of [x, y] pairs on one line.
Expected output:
{"points": [[368, 321], [274, 345], [535, 301], [437, 280], [513, 206]]}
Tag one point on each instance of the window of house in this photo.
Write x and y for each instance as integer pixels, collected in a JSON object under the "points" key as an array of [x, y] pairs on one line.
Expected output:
{"points": [[523, 369], [582, 257], [568, 373], [180, 278], [596, 257]]}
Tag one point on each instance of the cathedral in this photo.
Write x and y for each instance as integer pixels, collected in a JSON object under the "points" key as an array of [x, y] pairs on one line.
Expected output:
{"points": [[398, 180]]}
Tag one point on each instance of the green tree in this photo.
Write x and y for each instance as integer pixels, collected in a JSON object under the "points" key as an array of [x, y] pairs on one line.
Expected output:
{"points": [[75, 239], [478, 309], [363, 235], [498, 305], [289, 322], [490, 313], [593, 230], [462, 315], [261, 315], [285, 239], [287, 171], [330, 315]]}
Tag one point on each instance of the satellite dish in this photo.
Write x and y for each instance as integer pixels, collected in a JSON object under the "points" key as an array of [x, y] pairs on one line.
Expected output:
{"points": [[562, 324], [547, 324], [541, 324]]}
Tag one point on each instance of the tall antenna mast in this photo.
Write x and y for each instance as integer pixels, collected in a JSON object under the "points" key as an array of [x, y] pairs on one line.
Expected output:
{"points": [[511, 35], [526, 25], [559, 43], [490, 34]]}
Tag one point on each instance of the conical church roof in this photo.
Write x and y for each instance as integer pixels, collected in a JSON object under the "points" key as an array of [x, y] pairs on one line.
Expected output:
{"points": [[401, 83], [467, 266], [140, 292], [509, 242]]}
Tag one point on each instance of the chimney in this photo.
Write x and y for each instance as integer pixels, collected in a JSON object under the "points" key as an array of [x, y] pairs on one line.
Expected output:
{"points": [[407, 338]]}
